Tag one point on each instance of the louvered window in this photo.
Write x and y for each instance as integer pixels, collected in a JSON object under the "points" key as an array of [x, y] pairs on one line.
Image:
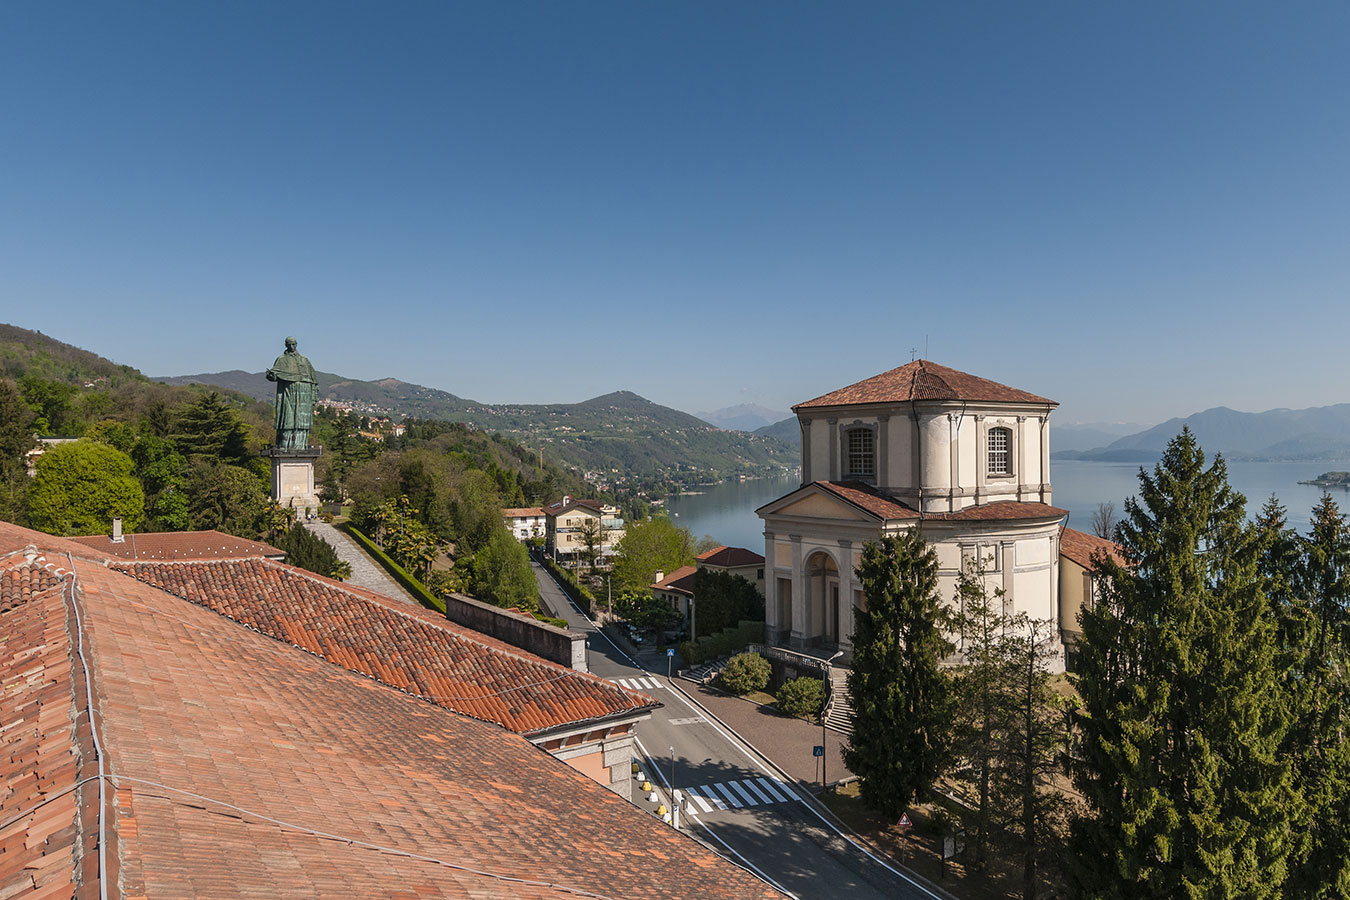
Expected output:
{"points": [[860, 454]]}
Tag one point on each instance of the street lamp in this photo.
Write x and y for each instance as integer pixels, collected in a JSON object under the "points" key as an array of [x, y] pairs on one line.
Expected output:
{"points": [[825, 692]]}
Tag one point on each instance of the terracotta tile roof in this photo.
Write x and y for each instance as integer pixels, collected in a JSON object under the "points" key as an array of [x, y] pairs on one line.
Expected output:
{"points": [[1079, 546], [865, 497], [41, 751], [165, 545], [20, 583], [681, 581], [731, 557], [523, 512], [1002, 510], [244, 767], [923, 380], [417, 652]]}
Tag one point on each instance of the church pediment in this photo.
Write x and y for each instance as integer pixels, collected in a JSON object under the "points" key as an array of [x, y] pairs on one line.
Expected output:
{"points": [[813, 502]]}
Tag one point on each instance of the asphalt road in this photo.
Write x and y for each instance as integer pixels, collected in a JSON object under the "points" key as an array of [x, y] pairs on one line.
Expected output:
{"points": [[734, 799]]}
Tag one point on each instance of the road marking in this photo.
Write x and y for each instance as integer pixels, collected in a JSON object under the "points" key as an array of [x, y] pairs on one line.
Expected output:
{"points": [[785, 789], [637, 684], [766, 785], [704, 804], [749, 799], [696, 720], [712, 795], [731, 798], [759, 791]]}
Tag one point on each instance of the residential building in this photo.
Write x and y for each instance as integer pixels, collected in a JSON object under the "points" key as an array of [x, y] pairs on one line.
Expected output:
{"points": [[677, 588], [234, 727], [526, 523], [1077, 588], [963, 458], [567, 523]]}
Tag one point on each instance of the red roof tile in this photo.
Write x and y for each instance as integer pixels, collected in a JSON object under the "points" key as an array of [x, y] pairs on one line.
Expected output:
{"points": [[731, 557], [1080, 547], [523, 512], [1002, 510], [406, 648], [41, 752], [922, 380], [167, 545], [244, 767], [868, 498], [681, 581]]}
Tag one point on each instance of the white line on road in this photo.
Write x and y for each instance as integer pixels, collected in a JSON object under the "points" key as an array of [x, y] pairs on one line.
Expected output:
{"points": [[759, 791], [696, 720], [722, 789], [736, 786], [767, 787]]}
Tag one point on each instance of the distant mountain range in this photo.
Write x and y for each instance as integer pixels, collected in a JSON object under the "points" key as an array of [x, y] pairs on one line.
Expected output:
{"points": [[620, 437], [745, 417], [1316, 433]]}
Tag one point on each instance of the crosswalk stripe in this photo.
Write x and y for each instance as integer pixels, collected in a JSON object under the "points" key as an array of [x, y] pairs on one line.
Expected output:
{"points": [[785, 789], [749, 799], [706, 806], [712, 795], [731, 798], [767, 787], [759, 791], [637, 684]]}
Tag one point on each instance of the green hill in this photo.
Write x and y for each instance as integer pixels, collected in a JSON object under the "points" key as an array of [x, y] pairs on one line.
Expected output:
{"points": [[24, 352]]}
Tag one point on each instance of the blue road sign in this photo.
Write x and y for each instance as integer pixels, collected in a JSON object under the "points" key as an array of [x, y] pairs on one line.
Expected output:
{"points": [[670, 651], [817, 750]]}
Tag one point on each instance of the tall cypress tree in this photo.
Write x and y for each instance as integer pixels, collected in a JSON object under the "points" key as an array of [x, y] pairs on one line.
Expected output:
{"points": [[1184, 711], [903, 701]]}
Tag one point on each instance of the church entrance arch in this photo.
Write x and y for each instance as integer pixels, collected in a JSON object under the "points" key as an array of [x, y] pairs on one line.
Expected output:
{"points": [[822, 583]]}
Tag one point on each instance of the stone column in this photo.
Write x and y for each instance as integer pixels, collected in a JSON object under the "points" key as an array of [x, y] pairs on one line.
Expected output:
{"points": [[806, 450], [771, 623], [1045, 459], [1007, 553], [833, 431], [883, 451], [846, 588]]}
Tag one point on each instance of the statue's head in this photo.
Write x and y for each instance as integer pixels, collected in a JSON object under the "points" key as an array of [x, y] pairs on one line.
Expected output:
{"points": [[290, 343]]}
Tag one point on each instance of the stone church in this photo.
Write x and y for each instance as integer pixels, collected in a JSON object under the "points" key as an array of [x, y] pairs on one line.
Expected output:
{"points": [[962, 458]]}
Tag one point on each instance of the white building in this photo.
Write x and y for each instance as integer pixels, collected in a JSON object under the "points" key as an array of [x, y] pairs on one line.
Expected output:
{"points": [[525, 522], [962, 458]]}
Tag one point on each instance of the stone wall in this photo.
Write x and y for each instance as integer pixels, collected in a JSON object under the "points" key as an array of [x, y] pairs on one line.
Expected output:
{"points": [[552, 643]]}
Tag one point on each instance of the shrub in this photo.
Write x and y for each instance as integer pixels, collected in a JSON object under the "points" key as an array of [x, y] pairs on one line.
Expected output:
{"points": [[746, 672], [802, 697], [691, 654]]}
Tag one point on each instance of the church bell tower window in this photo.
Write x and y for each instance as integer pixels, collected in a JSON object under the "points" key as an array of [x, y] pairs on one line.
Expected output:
{"points": [[860, 454], [1000, 460]]}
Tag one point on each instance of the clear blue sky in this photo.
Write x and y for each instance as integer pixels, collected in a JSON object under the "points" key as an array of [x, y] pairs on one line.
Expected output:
{"points": [[1138, 209]]}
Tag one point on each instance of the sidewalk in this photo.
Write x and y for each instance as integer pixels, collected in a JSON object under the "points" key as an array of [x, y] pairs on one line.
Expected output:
{"points": [[785, 741], [366, 572]]}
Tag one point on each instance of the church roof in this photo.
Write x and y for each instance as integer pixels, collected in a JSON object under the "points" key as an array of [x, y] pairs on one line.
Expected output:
{"points": [[922, 380], [888, 509]]}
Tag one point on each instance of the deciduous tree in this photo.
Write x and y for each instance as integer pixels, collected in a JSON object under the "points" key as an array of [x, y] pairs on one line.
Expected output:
{"points": [[80, 487], [657, 545]]}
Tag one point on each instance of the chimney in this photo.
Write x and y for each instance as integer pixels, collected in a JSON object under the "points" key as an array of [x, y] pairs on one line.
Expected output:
{"points": [[117, 530], [566, 500], [658, 577]]}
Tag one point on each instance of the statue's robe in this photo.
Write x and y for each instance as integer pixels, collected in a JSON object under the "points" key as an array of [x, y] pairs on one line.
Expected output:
{"points": [[297, 389]]}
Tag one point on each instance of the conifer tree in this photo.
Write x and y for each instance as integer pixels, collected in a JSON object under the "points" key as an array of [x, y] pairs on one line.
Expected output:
{"points": [[903, 701], [1183, 708], [977, 692], [1318, 742]]}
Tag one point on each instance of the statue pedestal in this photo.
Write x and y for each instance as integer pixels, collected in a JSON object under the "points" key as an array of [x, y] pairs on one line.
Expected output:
{"points": [[293, 479]]}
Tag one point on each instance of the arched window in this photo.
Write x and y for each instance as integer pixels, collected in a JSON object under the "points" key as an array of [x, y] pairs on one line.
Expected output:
{"points": [[860, 458], [1000, 459]]}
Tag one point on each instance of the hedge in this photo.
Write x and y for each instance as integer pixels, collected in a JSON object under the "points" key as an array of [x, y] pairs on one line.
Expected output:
{"points": [[400, 574], [724, 643], [568, 582]]}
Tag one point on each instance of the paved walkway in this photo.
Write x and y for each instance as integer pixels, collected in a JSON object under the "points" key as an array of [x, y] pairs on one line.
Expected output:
{"points": [[366, 572], [784, 740]]}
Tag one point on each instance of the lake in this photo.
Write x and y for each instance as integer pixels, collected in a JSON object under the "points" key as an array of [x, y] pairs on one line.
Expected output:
{"points": [[727, 511]]}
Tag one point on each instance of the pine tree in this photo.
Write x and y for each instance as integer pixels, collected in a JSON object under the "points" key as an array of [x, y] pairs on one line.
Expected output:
{"points": [[1183, 708], [903, 701], [1318, 742]]}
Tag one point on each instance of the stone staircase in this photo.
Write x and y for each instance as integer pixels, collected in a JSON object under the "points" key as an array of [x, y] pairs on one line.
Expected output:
{"points": [[838, 710], [706, 672]]}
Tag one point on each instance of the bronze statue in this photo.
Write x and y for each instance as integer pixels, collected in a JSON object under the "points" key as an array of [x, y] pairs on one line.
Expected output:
{"points": [[296, 389]]}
